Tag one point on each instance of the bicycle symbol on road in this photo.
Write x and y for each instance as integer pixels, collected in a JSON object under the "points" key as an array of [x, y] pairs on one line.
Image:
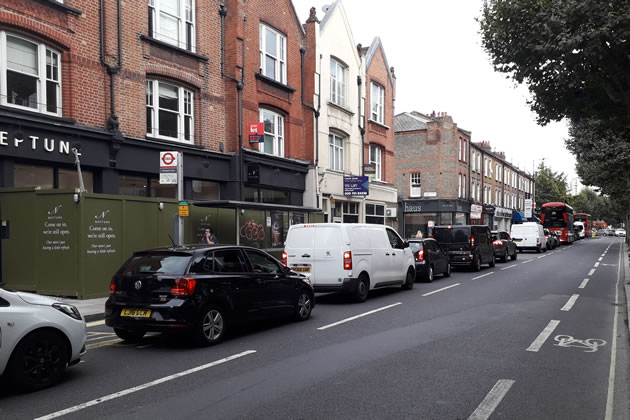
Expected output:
{"points": [[589, 345]]}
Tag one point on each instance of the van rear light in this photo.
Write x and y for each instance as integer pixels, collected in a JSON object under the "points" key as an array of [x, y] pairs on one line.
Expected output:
{"points": [[420, 255], [497, 242], [347, 260], [112, 286], [184, 287], [284, 258], [472, 241]]}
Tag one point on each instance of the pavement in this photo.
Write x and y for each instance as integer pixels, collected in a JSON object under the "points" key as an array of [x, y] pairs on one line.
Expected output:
{"points": [[94, 309]]}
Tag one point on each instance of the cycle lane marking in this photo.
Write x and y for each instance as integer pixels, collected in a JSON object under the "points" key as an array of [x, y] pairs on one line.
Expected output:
{"points": [[567, 306], [485, 409], [613, 351], [543, 336]]}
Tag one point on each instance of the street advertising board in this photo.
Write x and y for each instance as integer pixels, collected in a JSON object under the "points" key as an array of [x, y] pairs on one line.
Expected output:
{"points": [[256, 132], [168, 167], [528, 208], [369, 170], [355, 186]]}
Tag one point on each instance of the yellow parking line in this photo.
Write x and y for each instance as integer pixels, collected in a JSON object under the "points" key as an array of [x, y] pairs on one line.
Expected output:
{"points": [[103, 344], [95, 323]]}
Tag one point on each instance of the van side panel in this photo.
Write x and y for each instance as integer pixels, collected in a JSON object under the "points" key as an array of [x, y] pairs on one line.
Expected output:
{"points": [[381, 265]]}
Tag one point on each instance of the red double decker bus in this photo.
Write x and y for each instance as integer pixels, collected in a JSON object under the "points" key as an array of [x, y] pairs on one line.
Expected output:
{"points": [[558, 217], [586, 219]]}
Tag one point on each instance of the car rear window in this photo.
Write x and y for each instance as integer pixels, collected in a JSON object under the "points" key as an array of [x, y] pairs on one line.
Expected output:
{"points": [[415, 246], [158, 263], [452, 235]]}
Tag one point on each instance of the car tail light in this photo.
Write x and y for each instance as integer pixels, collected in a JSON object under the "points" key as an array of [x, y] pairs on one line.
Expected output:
{"points": [[347, 260], [112, 286], [472, 241], [420, 255], [284, 258], [184, 287], [497, 242]]}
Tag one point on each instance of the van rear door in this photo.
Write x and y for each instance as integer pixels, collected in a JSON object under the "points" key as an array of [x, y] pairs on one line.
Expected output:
{"points": [[316, 251]]}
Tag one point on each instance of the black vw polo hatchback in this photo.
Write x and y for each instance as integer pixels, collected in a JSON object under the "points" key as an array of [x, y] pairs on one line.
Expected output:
{"points": [[203, 290]]}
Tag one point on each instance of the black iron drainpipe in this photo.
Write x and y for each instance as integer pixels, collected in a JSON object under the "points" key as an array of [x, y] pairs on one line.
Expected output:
{"points": [[113, 124], [240, 84]]}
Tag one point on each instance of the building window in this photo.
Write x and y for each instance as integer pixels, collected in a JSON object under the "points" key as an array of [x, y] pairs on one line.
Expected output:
{"points": [[173, 22], [205, 190], [459, 186], [375, 214], [350, 212], [376, 155], [415, 185], [465, 151], [377, 96], [274, 133], [169, 112], [337, 83], [335, 152], [273, 54], [464, 186], [479, 162], [31, 73], [462, 149]]}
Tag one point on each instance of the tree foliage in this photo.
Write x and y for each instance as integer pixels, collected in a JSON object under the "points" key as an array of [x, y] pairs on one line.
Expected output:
{"points": [[598, 206], [550, 186], [572, 54]]}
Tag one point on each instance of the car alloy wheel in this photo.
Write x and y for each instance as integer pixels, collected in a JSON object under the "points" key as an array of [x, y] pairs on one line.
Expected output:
{"points": [[211, 327], [429, 277], [447, 273], [304, 307], [39, 360], [361, 291], [476, 265]]}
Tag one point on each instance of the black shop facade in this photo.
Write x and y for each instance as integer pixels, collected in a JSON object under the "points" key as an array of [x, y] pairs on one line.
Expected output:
{"points": [[37, 151], [418, 215]]}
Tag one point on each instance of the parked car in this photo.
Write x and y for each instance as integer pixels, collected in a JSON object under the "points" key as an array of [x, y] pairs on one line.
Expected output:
{"points": [[467, 245], [39, 338], [204, 290], [529, 235], [504, 246], [431, 259], [349, 257], [551, 238], [620, 232]]}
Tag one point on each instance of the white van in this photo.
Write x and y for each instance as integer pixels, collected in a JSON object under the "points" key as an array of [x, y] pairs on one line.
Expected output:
{"points": [[578, 228], [349, 257], [529, 235]]}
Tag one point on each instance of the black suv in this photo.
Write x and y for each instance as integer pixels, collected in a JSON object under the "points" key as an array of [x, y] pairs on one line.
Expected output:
{"points": [[467, 245], [204, 290]]}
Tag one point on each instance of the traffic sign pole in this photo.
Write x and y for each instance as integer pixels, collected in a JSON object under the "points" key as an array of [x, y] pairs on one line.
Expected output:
{"points": [[180, 197]]}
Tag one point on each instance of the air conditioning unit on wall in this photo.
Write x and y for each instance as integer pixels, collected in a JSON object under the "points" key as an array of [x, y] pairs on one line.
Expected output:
{"points": [[390, 212]]}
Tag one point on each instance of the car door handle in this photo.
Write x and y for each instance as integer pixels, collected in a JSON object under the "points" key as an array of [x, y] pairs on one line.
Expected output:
{"points": [[387, 254], [393, 253], [306, 256]]}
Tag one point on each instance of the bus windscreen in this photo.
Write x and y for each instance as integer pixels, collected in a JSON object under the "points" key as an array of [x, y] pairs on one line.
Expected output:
{"points": [[554, 217]]}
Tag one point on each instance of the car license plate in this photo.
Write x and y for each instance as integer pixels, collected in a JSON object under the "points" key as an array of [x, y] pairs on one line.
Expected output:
{"points": [[136, 313], [301, 268]]}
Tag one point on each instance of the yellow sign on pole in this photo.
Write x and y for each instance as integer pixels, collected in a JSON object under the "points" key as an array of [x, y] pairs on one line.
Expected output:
{"points": [[183, 211]]}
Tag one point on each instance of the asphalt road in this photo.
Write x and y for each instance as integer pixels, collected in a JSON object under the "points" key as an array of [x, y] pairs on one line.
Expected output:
{"points": [[542, 337]]}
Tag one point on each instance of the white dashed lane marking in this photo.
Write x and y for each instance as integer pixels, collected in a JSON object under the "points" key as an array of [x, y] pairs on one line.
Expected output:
{"points": [[543, 336], [567, 306]]}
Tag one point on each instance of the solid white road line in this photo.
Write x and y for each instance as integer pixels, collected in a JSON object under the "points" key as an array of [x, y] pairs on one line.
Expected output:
{"points": [[543, 336], [613, 351], [443, 288], [596, 265], [528, 261], [567, 306], [492, 400], [583, 284], [505, 268], [95, 323], [590, 273], [483, 275], [143, 386], [352, 318]]}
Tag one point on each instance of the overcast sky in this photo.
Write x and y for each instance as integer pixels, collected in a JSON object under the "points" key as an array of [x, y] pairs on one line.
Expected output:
{"points": [[435, 48]]}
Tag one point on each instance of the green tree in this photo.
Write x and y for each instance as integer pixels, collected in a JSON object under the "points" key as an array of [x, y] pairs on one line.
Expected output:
{"points": [[572, 54], [550, 186]]}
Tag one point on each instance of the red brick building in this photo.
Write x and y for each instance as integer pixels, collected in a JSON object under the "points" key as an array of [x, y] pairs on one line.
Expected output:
{"points": [[263, 42], [120, 83]]}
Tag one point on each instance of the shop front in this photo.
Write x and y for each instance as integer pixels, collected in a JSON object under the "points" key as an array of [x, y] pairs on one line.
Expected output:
{"points": [[476, 212], [502, 219], [487, 215], [419, 214]]}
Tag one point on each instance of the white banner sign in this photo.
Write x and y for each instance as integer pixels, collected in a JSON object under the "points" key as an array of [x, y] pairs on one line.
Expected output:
{"points": [[528, 208]]}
